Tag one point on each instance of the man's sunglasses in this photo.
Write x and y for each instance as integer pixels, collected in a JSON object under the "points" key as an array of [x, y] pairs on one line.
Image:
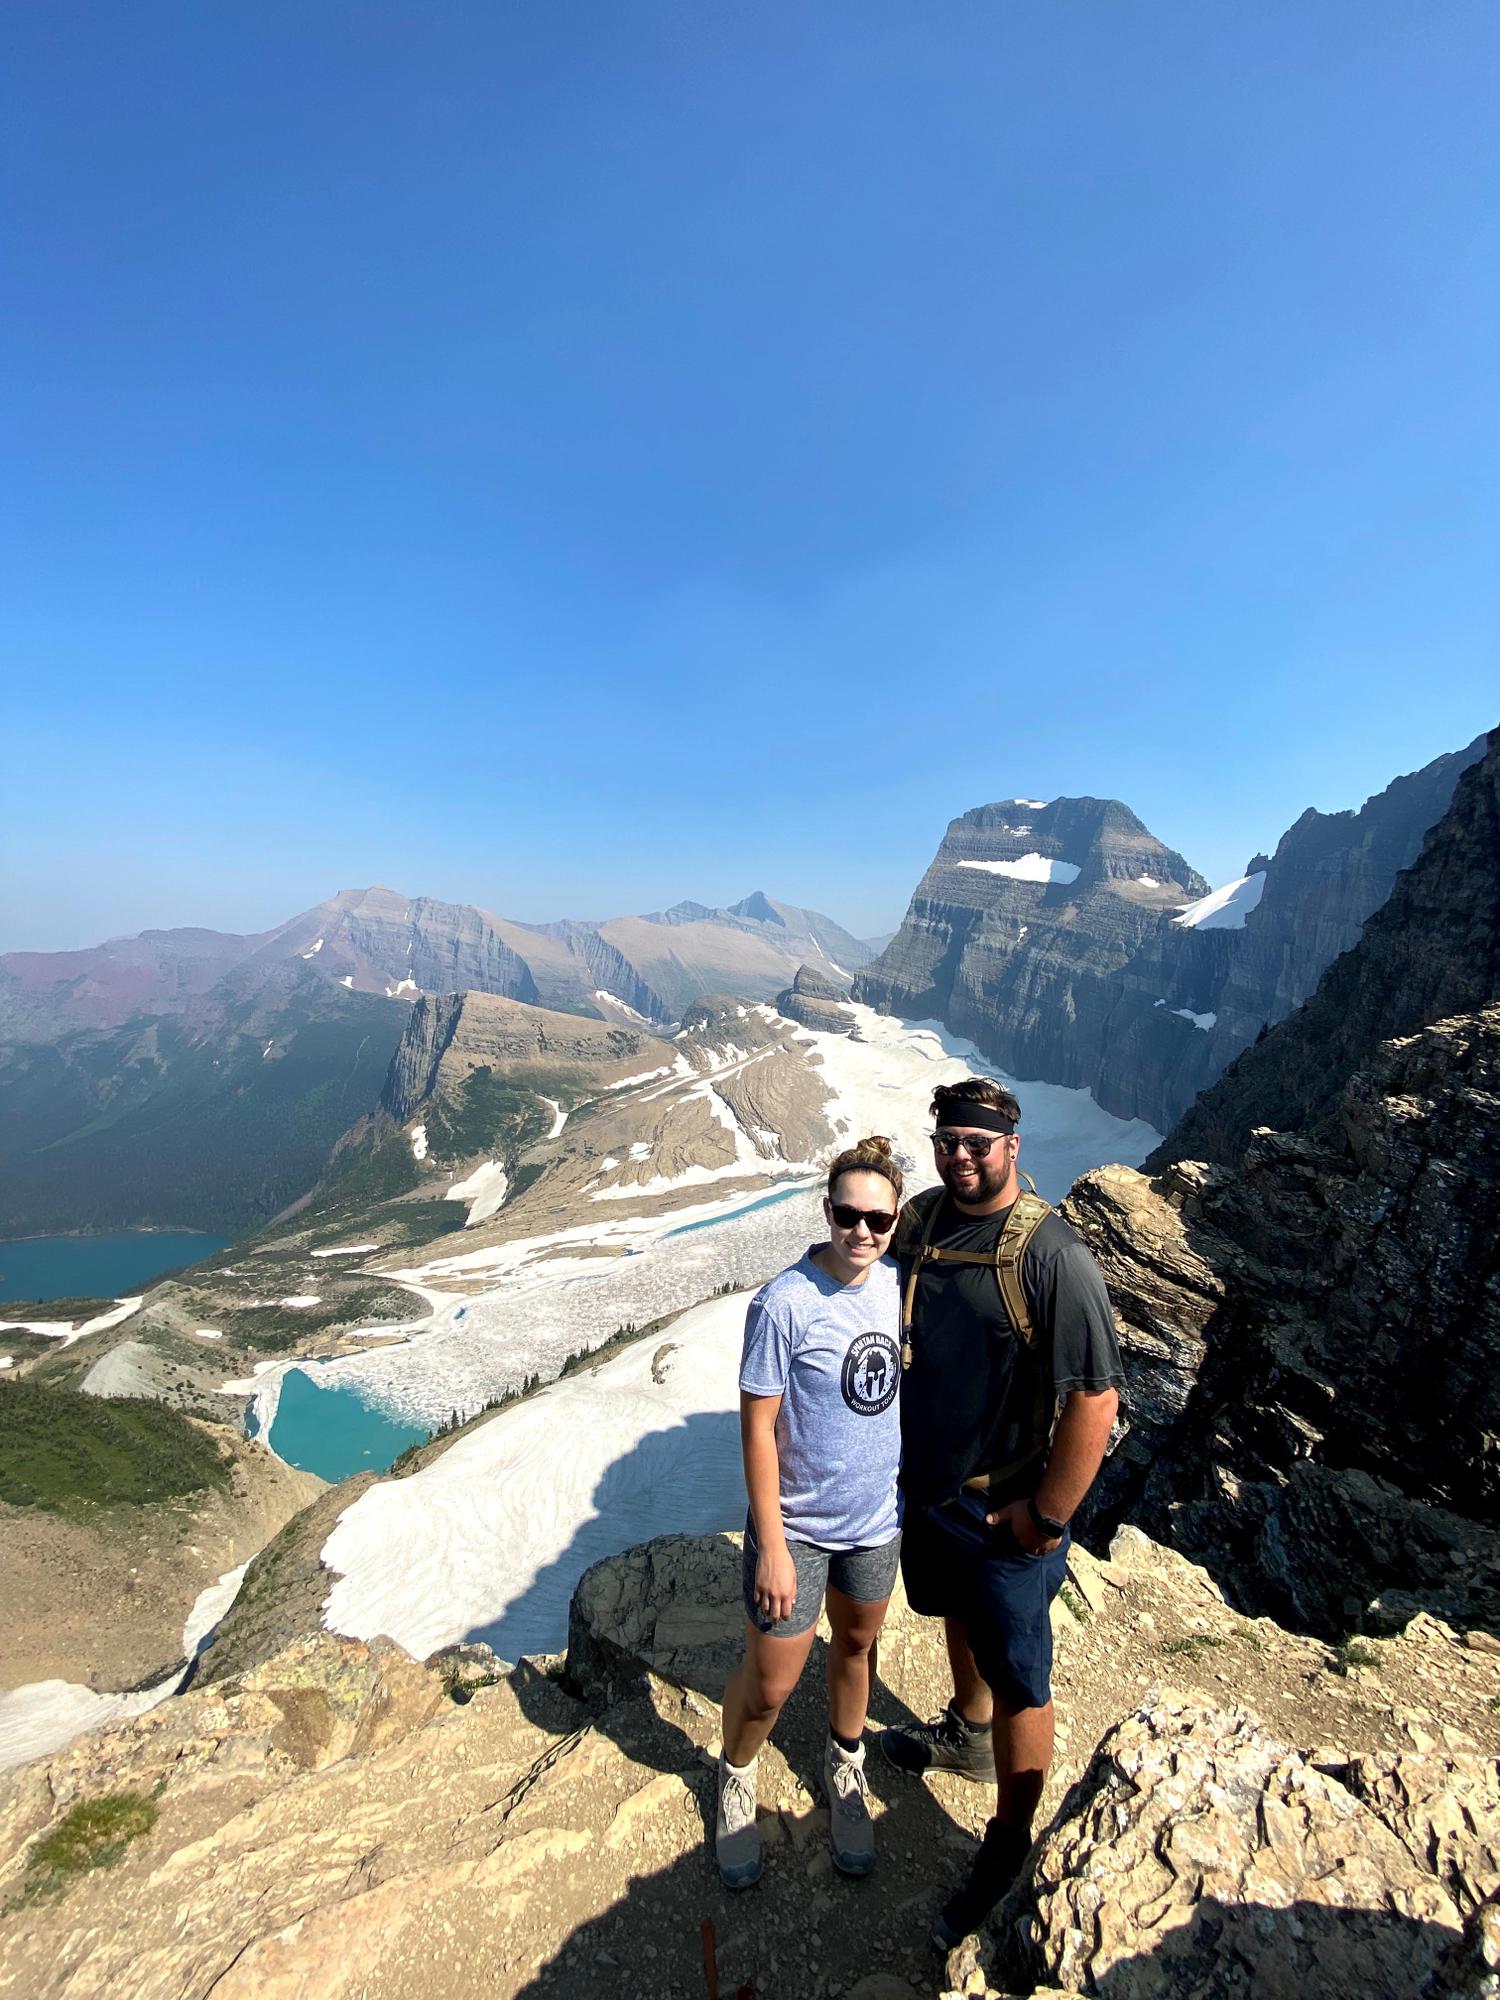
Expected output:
{"points": [[976, 1144], [880, 1220]]}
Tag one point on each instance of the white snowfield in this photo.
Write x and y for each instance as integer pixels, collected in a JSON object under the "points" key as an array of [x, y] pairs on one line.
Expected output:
{"points": [[559, 1116], [484, 1190], [44, 1715], [1036, 805], [1148, 881], [348, 980], [315, 950], [64, 1333], [419, 1142], [1029, 868], [1198, 1020], [1224, 909], [539, 1299], [345, 1250], [489, 1542]]}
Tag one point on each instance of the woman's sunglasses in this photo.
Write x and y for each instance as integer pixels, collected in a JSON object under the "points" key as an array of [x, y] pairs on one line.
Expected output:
{"points": [[880, 1221], [976, 1144]]}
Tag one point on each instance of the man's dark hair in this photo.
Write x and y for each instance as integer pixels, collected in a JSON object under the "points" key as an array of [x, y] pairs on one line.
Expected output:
{"points": [[949, 1099]]}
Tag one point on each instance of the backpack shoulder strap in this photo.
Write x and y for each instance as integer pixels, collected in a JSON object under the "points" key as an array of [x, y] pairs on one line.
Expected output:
{"points": [[913, 1241], [1027, 1216]]}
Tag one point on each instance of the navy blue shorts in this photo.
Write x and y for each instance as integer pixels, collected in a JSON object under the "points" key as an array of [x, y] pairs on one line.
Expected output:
{"points": [[1004, 1598]]}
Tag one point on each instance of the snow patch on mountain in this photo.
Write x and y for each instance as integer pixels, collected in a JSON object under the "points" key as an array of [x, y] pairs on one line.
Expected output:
{"points": [[315, 950], [1029, 868], [559, 1116], [419, 1142], [1198, 1020], [1224, 909], [484, 1190]]}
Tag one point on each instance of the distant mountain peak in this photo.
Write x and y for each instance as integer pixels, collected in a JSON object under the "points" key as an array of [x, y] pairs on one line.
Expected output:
{"points": [[759, 908]]}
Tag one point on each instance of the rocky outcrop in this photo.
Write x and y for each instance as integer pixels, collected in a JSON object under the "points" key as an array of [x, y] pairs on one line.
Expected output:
{"points": [[1316, 1338], [1202, 1857], [670, 1607], [337, 1819], [1431, 950], [816, 1000]]}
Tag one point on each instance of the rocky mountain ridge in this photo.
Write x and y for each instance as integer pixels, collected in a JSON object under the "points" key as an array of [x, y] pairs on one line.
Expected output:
{"points": [[193, 1078], [1431, 950], [1072, 947]]}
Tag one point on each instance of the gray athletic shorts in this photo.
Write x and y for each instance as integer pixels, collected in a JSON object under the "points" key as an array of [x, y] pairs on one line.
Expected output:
{"points": [[867, 1575]]}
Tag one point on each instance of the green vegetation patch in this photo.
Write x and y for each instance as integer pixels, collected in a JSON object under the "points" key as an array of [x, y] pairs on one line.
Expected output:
{"points": [[1351, 1653], [1192, 1645], [93, 1834], [65, 1452], [67, 1311], [1073, 1602], [26, 1346], [496, 1114]]}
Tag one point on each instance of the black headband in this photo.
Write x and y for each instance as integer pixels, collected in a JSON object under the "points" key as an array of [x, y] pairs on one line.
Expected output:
{"points": [[984, 1117]]}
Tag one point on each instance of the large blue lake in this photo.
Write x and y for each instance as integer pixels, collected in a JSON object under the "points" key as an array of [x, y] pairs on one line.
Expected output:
{"points": [[333, 1432], [97, 1267]]}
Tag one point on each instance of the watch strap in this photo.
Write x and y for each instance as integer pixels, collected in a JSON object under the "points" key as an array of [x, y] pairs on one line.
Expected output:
{"points": [[1043, 1523]]}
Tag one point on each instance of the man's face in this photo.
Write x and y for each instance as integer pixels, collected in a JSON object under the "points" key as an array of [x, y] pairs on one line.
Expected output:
{"points": [[967, 1178]]}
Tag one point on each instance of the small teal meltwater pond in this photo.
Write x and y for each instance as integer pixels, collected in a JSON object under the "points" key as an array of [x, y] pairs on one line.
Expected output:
{"points": [[334, 1432], [713, 1221]]}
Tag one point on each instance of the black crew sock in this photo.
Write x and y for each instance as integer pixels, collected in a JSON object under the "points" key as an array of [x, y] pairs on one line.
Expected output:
{"points": [[974, 1728], [849, 1743]]}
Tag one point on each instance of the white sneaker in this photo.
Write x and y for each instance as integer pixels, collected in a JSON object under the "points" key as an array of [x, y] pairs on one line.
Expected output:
{"points": [[851, 1831], [736, 1836]]}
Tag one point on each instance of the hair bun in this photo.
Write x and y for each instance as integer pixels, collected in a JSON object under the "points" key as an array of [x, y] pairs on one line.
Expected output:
{"points": [[878, 1146]]}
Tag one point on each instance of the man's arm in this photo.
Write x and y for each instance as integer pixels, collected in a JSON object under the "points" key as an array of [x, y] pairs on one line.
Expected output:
{"points": [[1078, 1446]]}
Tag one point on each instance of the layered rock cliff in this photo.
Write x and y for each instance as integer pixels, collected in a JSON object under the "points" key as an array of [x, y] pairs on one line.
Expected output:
{"points": [[1021, 934], [1073, 948]]}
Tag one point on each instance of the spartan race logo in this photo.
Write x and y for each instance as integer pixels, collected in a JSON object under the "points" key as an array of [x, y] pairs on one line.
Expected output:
{"points": [[872, 1369]]}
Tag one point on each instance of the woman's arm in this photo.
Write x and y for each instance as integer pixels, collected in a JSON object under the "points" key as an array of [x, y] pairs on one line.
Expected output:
{"points": [[775, 1572]]}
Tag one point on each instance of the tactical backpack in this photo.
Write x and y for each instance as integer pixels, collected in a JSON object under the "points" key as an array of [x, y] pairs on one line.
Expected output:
{"points": [[913, 1244]]}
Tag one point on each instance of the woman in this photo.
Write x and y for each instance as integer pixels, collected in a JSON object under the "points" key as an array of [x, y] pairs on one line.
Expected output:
{"points": [[822, 1445]]}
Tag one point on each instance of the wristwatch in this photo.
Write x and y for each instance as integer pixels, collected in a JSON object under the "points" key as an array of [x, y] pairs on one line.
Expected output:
{"points": [[1043, 1523]]}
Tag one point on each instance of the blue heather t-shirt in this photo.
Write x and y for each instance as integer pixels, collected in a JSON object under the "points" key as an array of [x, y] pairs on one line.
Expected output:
{"points": [[832, 1353]]}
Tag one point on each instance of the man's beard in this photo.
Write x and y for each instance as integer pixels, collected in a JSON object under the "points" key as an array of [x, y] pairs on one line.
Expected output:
{"points": [[991, 1176]]}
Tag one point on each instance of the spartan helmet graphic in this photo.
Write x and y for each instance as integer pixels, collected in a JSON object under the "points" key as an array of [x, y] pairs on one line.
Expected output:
{"points": [[873, 1371]]}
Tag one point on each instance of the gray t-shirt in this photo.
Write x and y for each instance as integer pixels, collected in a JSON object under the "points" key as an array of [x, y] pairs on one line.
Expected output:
{"points": [[832, 1353]]}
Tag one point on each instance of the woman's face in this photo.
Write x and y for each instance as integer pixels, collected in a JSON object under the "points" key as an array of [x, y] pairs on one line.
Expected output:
{"points": [[858, 1244]]}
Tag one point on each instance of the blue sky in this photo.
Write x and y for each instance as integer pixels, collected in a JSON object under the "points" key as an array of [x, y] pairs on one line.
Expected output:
{"points": [[572, 458]]}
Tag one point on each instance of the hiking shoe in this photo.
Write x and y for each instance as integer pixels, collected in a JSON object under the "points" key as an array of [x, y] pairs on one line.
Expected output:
{"points": [[946, 1743], [736, 1836], [851, 1831], [1002, 1854]]}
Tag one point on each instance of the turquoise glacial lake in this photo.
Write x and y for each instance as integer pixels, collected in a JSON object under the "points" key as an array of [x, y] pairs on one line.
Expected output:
{"points": [[98, 1267], [734, 1214], [334, 1432]]}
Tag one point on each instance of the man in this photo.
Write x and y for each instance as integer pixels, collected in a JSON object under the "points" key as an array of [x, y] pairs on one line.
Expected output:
{"points": [[991, 1481]]}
